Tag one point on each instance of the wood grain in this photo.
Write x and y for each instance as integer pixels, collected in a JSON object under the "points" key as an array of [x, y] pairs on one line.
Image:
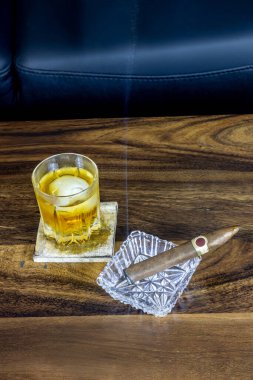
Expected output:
{"points": [[181, 174], [128, 347], [222, 283], [172, 176]]}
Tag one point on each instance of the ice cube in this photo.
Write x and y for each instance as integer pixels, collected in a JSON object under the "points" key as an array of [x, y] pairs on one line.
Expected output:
{"points": [[67, 185]]}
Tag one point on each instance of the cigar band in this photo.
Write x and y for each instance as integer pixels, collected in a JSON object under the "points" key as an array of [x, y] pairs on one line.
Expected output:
{"points": [[200, 244]]}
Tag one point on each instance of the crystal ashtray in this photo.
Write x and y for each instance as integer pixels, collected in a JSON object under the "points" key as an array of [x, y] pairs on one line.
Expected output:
{"points": [[157, 294]]}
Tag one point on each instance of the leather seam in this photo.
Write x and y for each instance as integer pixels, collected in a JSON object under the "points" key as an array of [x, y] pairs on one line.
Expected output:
{"points": [[125, 76], [5, 71]]}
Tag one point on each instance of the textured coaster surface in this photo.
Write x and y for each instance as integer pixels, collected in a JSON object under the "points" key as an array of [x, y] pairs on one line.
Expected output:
{"points": [[99, 248]]}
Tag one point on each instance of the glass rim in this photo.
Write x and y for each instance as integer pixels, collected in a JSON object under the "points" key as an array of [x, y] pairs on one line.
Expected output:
{"points": [[45, 195]]}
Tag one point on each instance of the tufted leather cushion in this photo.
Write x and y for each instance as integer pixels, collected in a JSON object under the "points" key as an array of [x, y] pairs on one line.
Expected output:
{"points": [[135, 57], [7, 97]]}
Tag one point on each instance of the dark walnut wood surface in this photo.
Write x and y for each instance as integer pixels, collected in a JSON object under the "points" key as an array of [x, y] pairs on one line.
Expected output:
{"points": [[128, 347], [174, 177]]}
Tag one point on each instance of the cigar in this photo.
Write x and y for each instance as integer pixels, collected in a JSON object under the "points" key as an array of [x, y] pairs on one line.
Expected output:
{"points": [[196, 247]]}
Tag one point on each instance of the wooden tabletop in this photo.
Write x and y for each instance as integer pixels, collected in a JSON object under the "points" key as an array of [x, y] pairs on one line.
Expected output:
{"points": [[173, 177], [178, 347]]}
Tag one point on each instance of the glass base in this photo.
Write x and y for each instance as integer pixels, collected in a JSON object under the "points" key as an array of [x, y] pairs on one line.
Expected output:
{"points": [[72, 238], [99, 248]]}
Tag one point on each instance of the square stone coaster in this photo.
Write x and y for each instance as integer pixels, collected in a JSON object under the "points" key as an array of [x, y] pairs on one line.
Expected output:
{"points": [[99, 248]]}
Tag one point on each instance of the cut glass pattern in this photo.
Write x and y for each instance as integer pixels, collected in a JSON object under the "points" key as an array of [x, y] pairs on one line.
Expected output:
{"points": [[157, 294]]}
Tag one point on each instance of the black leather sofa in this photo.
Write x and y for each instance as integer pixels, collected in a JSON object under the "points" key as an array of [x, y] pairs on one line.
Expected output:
{"points": [[87, 58]]}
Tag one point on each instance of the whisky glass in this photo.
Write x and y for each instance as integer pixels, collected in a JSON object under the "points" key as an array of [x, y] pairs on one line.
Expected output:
{"points": [[66, 187]]}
